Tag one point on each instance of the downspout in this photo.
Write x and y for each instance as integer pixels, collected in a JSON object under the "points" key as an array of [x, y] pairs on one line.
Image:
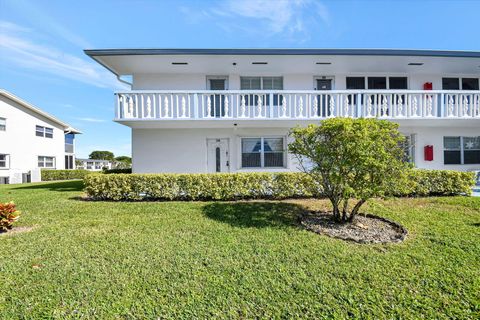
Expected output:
{"points": [[123, 81]]}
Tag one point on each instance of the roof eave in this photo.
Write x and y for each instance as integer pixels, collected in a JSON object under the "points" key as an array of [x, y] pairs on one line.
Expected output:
{"points": [[11, 96], [354, 52]]}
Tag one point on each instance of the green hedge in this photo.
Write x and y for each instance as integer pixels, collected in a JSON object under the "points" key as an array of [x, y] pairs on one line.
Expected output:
{"points": [[125, 170], [51, 175], [222, 186], [233, 186], [440, 182]]}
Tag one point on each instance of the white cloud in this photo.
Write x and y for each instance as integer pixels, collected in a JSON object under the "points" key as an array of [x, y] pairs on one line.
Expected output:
{"points": [[6, 26], [90, 119], [44, 21], [18, 47], [286, 17]]}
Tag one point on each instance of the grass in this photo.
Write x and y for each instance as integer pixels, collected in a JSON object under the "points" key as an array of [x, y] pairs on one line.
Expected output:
{"points": [[231, 260]]}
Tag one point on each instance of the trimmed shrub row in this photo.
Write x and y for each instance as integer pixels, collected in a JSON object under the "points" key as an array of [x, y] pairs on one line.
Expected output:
{"points": [[440, 182], [234, 186], [51, 175], [223, 186], [125, 170]]}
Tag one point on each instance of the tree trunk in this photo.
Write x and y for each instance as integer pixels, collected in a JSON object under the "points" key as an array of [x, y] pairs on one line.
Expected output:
{"points": [[356, 208], [336, 210], [345, 210]]}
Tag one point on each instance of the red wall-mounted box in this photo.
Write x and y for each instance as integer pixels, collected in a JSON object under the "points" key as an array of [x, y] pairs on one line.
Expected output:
{"points": [[428, 153], [427, 86]]}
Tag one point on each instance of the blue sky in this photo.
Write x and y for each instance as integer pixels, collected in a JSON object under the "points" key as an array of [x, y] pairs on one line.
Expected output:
{"points": [[42, 42]]}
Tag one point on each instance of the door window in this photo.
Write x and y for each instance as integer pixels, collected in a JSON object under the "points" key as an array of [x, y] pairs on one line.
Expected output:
{"points": [[217, 100]]}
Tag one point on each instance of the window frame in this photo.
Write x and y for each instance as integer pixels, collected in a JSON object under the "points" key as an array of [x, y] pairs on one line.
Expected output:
{"points": [[462, 150], [6, 161], [3, 126], [252, 98], [54, 162], [409, 146], [387, 79], [262, 152], [261, 82], [460, 82], [41, 131]]}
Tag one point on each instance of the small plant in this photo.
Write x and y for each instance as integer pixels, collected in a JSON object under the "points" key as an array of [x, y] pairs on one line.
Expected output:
{"points": [[8, 215]]}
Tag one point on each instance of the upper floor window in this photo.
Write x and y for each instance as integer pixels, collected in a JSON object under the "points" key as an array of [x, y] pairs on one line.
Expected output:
{"points": [[261, 83], [3, 124], [44, 132], [46, 162], [69, 138], [263, 152], [377, 83], [460, 84], [461, 150], [4, 161]]}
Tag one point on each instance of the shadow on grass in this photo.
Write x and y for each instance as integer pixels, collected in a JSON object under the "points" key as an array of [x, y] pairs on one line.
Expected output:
{"points": [[62, 186], [254, 214]]}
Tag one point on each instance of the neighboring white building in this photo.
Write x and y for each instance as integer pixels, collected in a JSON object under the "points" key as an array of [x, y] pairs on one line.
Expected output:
{"points": [[220, 110], [94, 164], [31, 140]]}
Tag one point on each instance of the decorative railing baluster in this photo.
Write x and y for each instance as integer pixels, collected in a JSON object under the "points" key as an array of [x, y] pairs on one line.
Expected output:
{"points": [[391, 104]]}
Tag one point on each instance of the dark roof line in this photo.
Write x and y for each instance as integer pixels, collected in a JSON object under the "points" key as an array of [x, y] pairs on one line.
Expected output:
{"points": [[347, 52]]}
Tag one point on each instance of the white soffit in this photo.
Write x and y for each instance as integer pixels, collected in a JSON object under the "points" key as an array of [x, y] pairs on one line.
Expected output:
{"points": [[284, 64]]}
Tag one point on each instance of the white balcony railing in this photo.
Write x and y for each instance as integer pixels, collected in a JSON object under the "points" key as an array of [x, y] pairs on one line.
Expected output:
{"points": [[215, 105]]}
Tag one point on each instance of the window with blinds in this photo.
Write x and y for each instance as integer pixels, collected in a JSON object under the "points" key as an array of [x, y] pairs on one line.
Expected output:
{"points": [[263, 152], [46, 162], [43, 132], [261, 83], [461, 150]]}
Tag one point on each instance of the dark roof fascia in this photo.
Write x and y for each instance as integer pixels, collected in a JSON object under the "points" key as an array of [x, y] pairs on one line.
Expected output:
{"points": [[346, 52]]}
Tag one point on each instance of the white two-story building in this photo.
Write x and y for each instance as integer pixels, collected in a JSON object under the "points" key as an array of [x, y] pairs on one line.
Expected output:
{"points": [[230, 110], [94, 164], [31, 140]]}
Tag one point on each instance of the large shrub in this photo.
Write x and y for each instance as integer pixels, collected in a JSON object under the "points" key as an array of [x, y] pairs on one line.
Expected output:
{"points": [[233, 186], [353, 159], [51, 175], [8, 215]]}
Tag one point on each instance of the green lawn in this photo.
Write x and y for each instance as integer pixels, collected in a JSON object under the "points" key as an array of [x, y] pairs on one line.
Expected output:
{"points": [[231, 260]]}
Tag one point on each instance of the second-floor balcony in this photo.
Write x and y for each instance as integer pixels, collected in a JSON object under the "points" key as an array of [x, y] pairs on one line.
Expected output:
{"points": [[296, 105]]}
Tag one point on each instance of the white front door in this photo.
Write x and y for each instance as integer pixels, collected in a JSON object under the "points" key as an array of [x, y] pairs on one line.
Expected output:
{"points": [[217, 155]]}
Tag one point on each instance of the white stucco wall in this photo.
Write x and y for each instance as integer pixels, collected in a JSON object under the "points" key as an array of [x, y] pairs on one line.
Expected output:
{"points": [[20, 142], [291, 81], [434, 136], [185, 150]]}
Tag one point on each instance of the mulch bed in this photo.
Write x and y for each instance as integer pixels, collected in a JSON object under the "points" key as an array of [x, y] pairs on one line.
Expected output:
{"points": [[15, 230], [365, 228]]}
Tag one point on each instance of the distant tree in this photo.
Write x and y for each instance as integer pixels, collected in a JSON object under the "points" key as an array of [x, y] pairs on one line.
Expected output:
{"points": [[124, 159], [123, 162], [101, 155], [352, 159]]}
